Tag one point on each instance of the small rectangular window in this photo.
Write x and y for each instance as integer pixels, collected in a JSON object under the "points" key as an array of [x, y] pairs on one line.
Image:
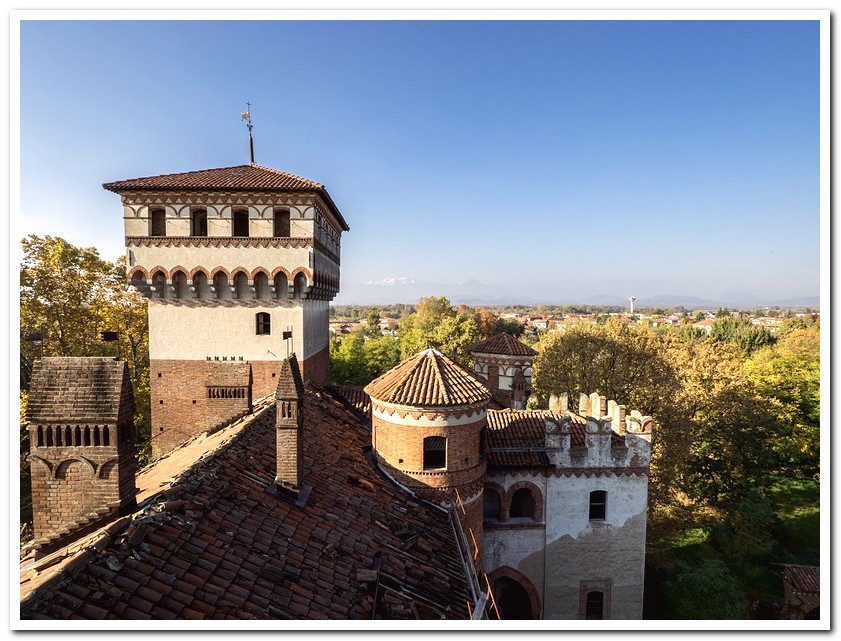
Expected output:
{"points": [[240, 224], [434, 452], [158, 222], [595, 605], [264, 323], [598, 505]]}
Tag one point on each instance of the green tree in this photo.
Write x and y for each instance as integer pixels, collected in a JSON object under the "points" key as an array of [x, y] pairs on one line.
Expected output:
{"points": [[708, 591], [436, 325]]}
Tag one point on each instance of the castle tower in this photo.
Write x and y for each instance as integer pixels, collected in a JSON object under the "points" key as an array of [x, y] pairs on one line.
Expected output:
{"points": [[81, 434], [505, 364], [239, 265], [429, 418]]}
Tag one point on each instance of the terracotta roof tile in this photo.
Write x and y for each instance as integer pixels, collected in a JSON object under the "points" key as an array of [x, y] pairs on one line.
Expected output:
{"points": [[429, 379], [805, 579], [289, 383], [502, 344], [526, 429], [239, 178], [219, 543], [71, 389]]}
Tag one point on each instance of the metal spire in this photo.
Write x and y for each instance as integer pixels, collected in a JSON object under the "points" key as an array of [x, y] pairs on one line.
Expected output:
{"points": [[246, 115]]}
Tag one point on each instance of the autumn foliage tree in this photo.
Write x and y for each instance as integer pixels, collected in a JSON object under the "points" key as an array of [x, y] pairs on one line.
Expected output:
{"points": [[68, 296]]}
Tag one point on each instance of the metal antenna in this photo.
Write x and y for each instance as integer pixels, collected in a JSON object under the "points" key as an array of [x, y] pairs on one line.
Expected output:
{"points": [[246, 115]]}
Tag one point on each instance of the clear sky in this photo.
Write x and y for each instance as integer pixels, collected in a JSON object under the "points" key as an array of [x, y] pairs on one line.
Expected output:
{"points": [[577, 157]]}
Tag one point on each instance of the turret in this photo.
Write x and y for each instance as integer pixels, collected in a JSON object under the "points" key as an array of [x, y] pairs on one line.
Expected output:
{"points": [[505, 364], [429, 431]]}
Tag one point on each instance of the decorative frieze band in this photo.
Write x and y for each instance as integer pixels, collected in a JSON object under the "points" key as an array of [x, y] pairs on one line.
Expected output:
{"points": [[218, 241]]}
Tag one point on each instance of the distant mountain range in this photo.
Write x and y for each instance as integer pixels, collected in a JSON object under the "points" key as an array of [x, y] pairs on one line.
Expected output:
{"points": [[406, 289]]}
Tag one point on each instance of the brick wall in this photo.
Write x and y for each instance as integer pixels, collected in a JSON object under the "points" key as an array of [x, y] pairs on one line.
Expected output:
{"points": [[316, 368]]}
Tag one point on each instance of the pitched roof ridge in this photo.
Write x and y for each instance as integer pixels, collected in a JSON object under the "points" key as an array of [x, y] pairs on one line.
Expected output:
{"points": [[286, 173], [442, 380], [176, 173]]}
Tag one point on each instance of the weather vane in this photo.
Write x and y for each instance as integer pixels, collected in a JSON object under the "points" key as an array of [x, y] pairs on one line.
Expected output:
{"points": [[246, 115]]}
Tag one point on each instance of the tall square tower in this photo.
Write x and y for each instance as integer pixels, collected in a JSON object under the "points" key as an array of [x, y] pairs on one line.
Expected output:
{"points": [[239, 265]]}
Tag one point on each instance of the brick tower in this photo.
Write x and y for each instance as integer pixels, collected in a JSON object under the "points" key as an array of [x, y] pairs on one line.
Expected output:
{"points": [[81, 431], [239, 265], [505, 363], [429, 430]]}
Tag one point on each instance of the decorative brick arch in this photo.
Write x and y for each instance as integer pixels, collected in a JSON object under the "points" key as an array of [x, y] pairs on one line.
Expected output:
{"points": [[160, 269], [515, 575], [138, 270], [43, 462], [261, 270], [237, 270], [107, 467], [280, 270], [305, 272], [198, 270], [217, 270], [536, 494], [179, 268], [65, 463], [503, 504]]}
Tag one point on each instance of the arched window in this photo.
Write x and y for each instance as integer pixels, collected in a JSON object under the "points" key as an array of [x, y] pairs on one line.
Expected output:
{"points": [[243, 291], [512, 599], [522, 504], [261, 286], [96, 440], [201, 286], [240, 223], [281, 223], [281, 286], [77, 436], [264, 323], [220, 284], [300, 285], [179, 284], [595, 605], [106, 436], [598, 505], [158, 222], [492, 504], [434, 453], [198, 222], [40, 436]]}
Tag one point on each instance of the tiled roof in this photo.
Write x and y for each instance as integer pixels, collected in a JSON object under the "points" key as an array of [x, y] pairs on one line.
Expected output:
{"points": [[289, 383], [526, 430], [429, 379], [239, 178], [805, 579], [503, 344], [215, 542], [72, 389], [355, 396]]}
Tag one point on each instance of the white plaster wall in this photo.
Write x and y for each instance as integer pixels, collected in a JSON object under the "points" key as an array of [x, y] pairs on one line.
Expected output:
{"points": [[194, 333], [228, 257], [579, 550]]}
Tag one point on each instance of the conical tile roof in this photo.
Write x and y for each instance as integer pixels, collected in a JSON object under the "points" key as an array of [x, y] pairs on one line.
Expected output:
{"points": [[429, 379]]}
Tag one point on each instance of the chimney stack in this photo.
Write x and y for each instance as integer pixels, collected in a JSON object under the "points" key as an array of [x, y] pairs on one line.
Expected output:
{"points": [[289, 399], [81, 434]]}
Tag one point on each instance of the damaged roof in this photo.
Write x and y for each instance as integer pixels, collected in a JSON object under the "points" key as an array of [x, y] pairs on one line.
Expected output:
{"points": [[211, 540]]}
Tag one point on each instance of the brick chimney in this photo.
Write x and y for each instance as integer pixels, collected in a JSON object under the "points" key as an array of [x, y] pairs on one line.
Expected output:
{"points": [[289, 399], [81, 430]]}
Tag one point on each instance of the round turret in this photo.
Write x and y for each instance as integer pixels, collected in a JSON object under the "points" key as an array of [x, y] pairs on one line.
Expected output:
{"points": [[429, 418]]}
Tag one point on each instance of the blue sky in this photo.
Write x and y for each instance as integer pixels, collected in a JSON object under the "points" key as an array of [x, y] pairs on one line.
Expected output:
{"points": [[571, 157]]}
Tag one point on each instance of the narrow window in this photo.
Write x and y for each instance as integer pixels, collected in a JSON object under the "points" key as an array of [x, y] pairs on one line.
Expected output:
{"points": [[198, 223], [281, 223], [243, 291], [58, 436], [158, 222], [595, 605], [105, 436], [522, 504], [261, 286], [240, 224], [220, 284], [179, 284], [264, 324], [68, 436], [434, 452], [77, 436], [492, 504], [49, 436], [87, 440], [598, 506], [96, 441], [40, 436], [483, 441], [159, 283]]}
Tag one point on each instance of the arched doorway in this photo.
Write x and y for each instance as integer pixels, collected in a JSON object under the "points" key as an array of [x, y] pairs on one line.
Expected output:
{"points": [[512, 599]]}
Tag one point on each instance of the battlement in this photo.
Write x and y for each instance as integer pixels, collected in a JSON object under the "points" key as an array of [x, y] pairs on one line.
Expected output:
{"points": [[612, 436]]}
